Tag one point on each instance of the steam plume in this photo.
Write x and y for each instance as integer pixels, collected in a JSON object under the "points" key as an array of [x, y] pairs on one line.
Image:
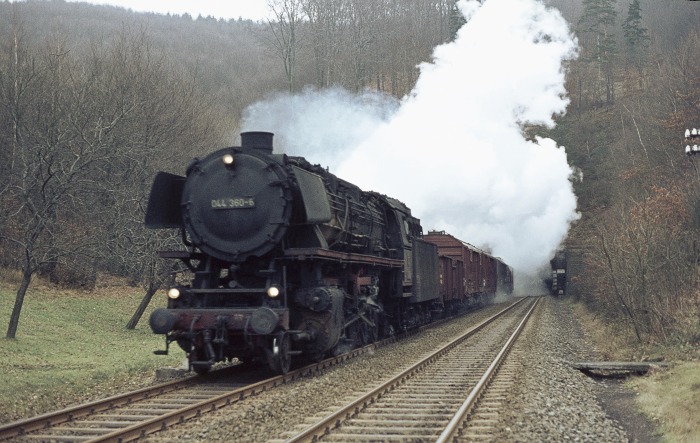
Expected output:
{"points": [[453, 149]]}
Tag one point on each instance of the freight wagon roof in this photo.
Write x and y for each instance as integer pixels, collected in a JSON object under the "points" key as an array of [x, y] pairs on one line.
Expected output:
{"points": [[443, 239]]}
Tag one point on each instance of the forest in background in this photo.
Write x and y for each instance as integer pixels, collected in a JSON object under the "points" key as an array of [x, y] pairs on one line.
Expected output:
{"points": [[95, 99]]}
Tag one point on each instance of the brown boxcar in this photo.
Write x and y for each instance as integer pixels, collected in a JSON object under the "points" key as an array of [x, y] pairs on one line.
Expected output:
{"points": [[451, 283], [483, 275]]}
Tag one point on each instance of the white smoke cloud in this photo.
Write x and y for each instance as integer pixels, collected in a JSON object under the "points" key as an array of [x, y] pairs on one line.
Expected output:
{"points": [[320, 125], [453, 150]]}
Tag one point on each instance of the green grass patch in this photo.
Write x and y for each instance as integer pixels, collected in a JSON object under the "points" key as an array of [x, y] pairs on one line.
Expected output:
{"points": [[73, 347]]}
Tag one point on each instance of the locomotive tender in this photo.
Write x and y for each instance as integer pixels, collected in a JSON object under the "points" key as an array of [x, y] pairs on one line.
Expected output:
{"points": [[290, 260]]}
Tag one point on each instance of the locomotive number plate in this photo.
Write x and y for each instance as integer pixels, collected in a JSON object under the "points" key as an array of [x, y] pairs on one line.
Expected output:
{"points": [[233, 203]]}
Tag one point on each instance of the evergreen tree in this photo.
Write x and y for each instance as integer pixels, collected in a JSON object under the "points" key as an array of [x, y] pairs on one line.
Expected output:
{"points": [[636, 37], [598, 42]]}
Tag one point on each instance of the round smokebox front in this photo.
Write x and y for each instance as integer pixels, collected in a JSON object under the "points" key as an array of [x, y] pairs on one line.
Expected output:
{"points": [[234, 205]]}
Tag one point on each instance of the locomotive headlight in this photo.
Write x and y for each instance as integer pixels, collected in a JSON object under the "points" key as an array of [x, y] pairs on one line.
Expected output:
{"points": [[173, 293], [273, 291], [227, 159]]}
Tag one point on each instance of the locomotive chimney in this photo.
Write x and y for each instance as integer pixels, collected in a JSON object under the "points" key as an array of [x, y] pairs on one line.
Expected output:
{"points": [[262, 141]]}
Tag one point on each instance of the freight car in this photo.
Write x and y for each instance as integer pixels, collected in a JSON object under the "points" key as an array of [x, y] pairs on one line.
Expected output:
{"points": [[287, 260], [482, 275]]}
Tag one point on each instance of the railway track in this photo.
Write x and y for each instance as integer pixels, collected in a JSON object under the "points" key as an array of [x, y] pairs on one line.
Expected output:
{"points": [[432, 399], [130, 416]]}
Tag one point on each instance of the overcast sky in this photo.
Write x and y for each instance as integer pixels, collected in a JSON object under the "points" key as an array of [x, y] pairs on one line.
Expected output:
{"points": [[252, 9]]}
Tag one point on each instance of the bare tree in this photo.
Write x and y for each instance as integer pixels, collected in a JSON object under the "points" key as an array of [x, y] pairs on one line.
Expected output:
{"points": [[91, 131], [289, 15], [49, 181], [328, 28], [647, 271]]}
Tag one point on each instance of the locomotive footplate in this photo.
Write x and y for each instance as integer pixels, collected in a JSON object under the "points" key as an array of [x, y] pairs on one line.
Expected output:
{"points": [[343, 257]]}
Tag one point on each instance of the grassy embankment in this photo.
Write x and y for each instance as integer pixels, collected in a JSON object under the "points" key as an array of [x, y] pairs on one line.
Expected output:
{"points": [[73, 346], [668, 397]]}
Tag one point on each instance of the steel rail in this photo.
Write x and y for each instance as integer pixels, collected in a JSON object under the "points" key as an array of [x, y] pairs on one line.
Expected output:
{"points": [[333, 420], [49, 419], [454, 426]]}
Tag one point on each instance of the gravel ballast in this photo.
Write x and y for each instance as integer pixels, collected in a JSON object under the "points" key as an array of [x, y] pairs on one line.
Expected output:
{"points": [[553, 402]]}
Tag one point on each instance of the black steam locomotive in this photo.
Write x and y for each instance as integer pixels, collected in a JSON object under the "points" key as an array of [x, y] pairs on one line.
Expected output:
{"points": [[557, 281], [287, 260]]}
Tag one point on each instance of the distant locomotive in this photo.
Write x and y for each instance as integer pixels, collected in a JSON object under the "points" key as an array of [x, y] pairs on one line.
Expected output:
{"points": [[557, 282], [290, 260]]}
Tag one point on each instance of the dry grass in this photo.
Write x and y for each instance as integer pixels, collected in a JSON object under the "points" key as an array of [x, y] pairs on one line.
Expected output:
{"points": [[672, 399], [669, 397]]}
